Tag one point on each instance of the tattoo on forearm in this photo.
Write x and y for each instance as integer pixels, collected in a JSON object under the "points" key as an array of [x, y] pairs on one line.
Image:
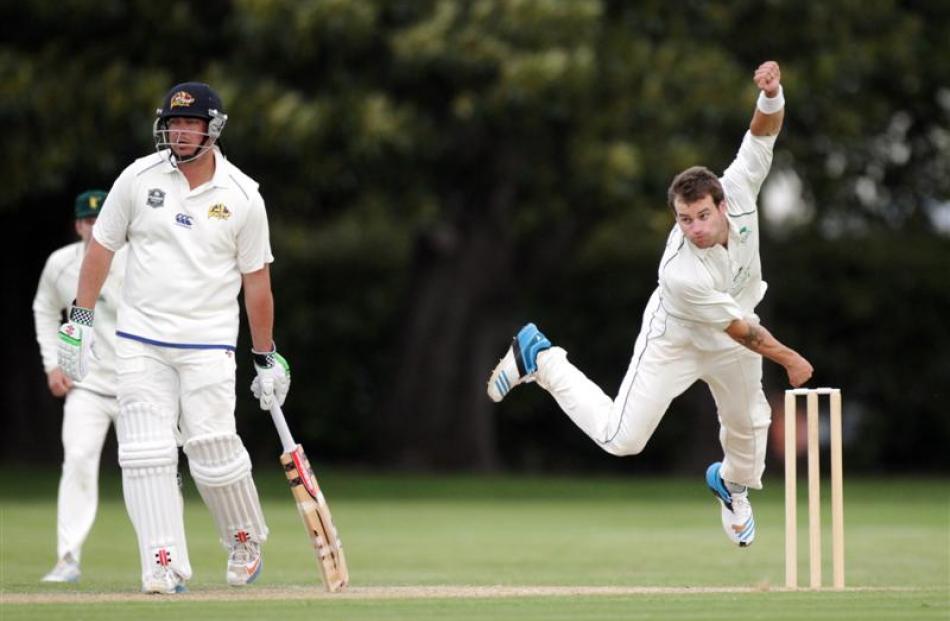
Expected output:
{"points": [[753, 338]]}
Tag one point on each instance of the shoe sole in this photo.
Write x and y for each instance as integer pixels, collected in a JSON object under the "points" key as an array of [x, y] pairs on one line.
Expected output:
{"points": [[179, 588]]}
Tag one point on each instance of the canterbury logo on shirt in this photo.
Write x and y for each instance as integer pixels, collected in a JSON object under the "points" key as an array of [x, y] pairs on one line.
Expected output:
{"points": [[184, 220]]}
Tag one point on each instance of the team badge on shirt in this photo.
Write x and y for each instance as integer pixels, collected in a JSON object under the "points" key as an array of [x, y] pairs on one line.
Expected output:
{"points": [[218, 211], [744, 234], [156, 198]]}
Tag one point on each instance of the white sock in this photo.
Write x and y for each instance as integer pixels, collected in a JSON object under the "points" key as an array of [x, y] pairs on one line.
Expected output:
{"points": [[734, 488]]}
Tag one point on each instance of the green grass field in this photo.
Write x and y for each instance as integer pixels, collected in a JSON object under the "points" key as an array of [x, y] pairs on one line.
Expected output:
{"points": [[655, 543]]}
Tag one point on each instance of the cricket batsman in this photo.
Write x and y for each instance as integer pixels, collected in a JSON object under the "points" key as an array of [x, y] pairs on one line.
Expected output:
{"points": [[197, 234]]}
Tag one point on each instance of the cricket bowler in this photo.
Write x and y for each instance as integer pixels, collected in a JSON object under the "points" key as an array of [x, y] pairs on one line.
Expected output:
{"points": [[700, 324]]}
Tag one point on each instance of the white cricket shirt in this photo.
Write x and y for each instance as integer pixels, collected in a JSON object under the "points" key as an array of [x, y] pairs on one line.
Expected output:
{"points": [[55, 294], [705, 289], [187, 251]]}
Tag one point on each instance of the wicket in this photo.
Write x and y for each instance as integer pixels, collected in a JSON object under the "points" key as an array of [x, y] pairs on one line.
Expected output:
{"points": [[814, 499]]}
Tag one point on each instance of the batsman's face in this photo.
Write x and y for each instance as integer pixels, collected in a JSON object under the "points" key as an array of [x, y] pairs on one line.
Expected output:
{"points": [[185, 134], [703, 222]]}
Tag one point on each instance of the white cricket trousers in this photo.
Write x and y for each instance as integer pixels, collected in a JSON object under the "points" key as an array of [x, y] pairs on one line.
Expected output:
{"points": [[86, 419], [162, 390], [665, 363]]}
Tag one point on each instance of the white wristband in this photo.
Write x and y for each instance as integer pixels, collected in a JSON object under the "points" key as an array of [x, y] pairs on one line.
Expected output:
{"points": [[771, 105]]}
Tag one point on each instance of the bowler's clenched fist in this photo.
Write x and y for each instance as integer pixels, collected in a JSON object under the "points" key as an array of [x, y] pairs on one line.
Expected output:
{"points": [[768, 77]]}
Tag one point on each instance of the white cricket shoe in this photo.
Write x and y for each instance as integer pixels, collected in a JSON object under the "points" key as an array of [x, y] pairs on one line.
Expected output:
{"points": [[65, 570], [519, 363], [164, 581], [736, 511], [244, 560]]}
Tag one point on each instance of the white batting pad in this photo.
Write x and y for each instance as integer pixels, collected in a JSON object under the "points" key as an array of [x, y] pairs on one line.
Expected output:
{"points": [[221, 469], [149, 459]]}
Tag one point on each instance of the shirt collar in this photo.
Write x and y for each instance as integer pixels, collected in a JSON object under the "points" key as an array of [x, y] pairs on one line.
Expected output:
{"points": [[221, 173], [218, 180]]}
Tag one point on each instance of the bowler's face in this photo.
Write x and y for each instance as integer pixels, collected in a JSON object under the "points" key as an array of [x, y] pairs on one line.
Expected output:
{"points": [[703, 222]]}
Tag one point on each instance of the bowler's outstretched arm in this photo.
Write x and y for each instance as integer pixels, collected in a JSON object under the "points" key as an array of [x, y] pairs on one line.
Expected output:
{"points": [[761, 341]]}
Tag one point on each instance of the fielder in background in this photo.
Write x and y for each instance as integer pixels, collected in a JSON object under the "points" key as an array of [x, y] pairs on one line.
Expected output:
{"points": [[699, 324], [197, 232], [90, 405]]}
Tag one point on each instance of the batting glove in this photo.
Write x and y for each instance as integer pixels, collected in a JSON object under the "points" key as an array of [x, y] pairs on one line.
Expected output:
{"points": [[76, 343], [273, 378]]}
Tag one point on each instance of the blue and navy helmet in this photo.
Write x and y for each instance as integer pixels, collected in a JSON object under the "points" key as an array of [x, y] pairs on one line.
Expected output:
{"points": [[195, 99], [191, 99]]}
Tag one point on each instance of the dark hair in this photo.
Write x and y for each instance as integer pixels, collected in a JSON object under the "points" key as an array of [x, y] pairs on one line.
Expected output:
{"points": [[693, 184]]}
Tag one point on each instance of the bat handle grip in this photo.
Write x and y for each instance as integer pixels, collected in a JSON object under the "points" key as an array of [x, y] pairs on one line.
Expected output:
{"points": [[283, 430]]}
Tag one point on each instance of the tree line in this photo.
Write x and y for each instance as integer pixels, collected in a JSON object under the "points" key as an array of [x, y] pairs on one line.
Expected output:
{"points": [[438, 172]]}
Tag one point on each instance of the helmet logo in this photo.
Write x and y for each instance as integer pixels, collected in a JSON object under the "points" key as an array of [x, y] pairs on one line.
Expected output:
{"points": [[181, 99]]}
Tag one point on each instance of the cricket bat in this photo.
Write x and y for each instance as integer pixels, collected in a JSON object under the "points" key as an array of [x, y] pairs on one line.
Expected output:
{"points": [[312, 507]]}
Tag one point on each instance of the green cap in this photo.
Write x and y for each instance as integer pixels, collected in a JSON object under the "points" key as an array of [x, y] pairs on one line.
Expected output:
{"points": [[88, 204]]}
